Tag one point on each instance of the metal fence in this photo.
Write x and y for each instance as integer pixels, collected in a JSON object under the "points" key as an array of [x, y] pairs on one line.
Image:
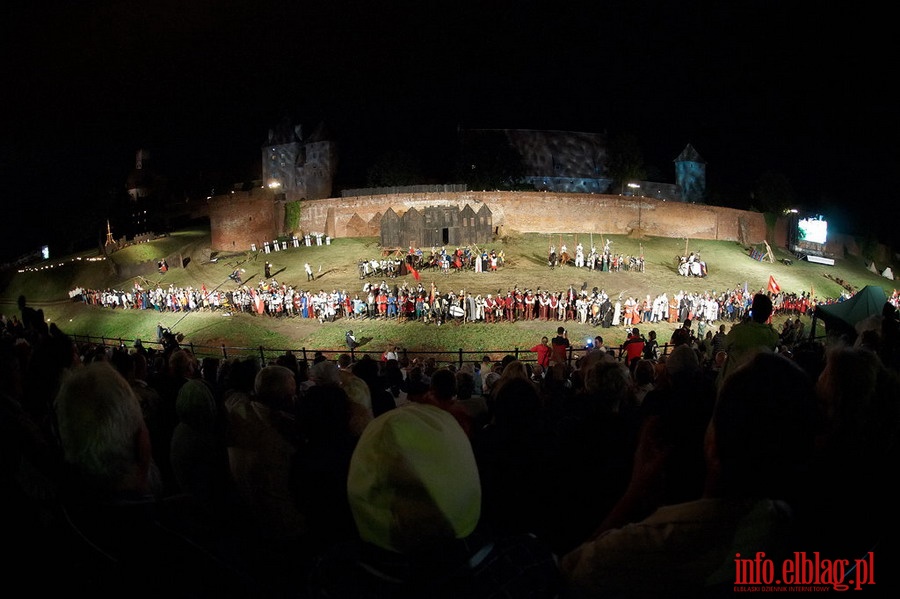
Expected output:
{"points": [[267, 354]]}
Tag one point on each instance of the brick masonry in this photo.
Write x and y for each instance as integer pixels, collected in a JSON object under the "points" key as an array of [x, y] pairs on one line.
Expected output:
{"points": [[243, 218]]}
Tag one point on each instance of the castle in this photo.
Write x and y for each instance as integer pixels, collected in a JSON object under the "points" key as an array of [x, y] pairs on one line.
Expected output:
{"points": [[568, 167]]}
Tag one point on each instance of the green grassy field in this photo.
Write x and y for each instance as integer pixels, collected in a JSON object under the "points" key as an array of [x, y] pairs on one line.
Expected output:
{"points": [[47, 286]]}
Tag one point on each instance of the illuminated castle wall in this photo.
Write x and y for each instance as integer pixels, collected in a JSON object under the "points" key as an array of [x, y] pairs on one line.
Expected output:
{"points": [[302, 169]]}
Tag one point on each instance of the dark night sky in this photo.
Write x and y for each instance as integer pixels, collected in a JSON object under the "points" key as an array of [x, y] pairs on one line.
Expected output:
{"points": [[753, 86]]}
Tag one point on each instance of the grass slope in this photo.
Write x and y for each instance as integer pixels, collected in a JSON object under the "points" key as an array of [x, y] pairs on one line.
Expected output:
{"points": [[47, 285]]}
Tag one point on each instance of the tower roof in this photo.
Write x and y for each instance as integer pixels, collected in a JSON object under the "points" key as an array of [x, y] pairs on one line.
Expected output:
{"points": [[689, 154]]}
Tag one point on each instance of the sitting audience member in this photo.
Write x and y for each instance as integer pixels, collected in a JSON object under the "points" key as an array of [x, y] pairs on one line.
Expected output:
{"points": [[861, 434], [594, 441], [490, 378], [261, 451], [115, 534], [358, 392], [680, 408], [415, 496], [239, 375], [369, 371], [327, 438], [749, 337], [644, 377], [442, 393], [513, 369], [414, 387], [198, 453], [512, 453], [759, 445], [474, 405]]}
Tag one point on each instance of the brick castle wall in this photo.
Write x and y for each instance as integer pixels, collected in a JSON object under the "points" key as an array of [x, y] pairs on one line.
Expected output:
{"points": [[547, 212], [240, 219]]}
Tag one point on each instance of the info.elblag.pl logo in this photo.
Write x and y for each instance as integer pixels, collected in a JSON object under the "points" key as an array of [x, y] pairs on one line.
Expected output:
{"points": [[813, 572]]}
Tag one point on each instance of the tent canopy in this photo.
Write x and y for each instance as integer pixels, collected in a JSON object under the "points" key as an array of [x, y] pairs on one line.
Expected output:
{"points": [[843, 317]]}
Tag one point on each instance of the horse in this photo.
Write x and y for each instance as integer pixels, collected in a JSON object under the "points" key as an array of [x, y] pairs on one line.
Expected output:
{"points": [[552, 260], [564, 258]]}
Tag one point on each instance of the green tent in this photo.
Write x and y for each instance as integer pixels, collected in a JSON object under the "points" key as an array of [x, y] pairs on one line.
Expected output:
{"points": [[841, 318]]}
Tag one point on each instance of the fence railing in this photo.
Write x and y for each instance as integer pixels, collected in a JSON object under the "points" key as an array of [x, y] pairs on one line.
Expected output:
{"points": [[266, 354]]}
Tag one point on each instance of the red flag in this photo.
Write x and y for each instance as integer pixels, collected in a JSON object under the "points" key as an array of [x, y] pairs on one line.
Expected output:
{"points": [[773, 285], [414, 272]]}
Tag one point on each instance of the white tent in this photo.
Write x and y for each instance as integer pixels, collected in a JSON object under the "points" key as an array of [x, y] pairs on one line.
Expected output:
{"points": [[872, 267], [888, 273]]}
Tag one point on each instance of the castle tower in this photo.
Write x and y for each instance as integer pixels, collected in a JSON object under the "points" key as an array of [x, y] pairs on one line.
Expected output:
{"points": [[297, 167], [690, 175], [140, 189]]}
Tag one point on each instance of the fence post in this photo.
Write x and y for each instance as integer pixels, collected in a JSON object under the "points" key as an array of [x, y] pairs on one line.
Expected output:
{"points": [[460, 358], [569, 361], [303, 349], [516, 352], [224, 353], [262, 356], [352, 354]]}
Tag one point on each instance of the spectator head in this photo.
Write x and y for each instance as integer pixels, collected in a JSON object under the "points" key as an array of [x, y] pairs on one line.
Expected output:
{"points": [[324, 413], [241, 374], [680, 337], [182, 364], [610, 382], [324, 373], [367, 369], [761, 308], [102, 432], [413, 481], [288, 360], [644, 372], [443, 386], [682, 363], [276, 387], [465, 384], [760, 438]]}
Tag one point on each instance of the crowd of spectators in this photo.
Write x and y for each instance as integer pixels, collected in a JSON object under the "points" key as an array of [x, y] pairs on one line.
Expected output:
{"points": [[152, 473]]}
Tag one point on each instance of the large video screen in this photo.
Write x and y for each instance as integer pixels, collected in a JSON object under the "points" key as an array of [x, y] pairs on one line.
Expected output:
{"points": [[813, 230]]}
